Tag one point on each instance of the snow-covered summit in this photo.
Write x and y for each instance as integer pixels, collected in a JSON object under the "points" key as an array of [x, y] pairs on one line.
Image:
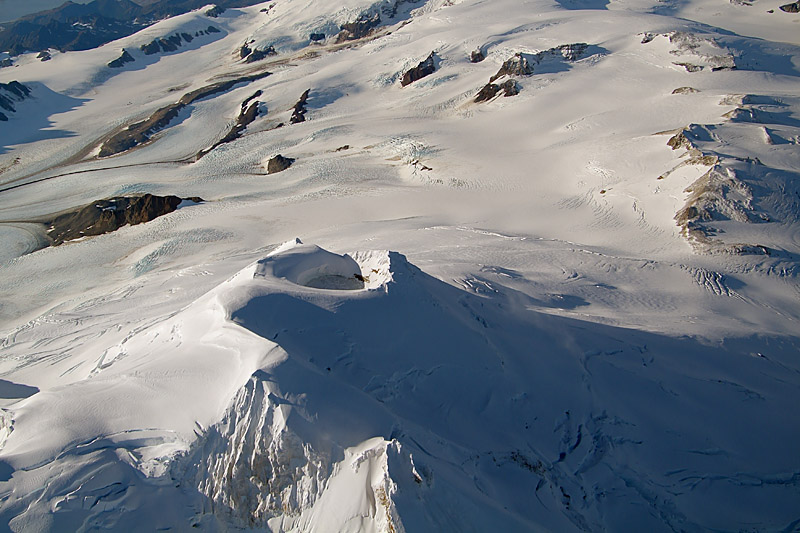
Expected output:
{"points": [[555, 285]]}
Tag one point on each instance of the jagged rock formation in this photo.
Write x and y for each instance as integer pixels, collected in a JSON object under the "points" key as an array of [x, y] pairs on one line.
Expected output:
{"points": [[361, 27], [43, 56], [259, 54], [523, 65], [316, 37], [140, 132], [121, 60], [84, 26], [424, 68], [299, 112], [105, 216], [490, 90], [518, 65], [685, 90], [476, 56], [510, 88], [794, 7], [11, 92], [737, 189], [278, 163], [169, 44], [247, 115], [7, 62]]}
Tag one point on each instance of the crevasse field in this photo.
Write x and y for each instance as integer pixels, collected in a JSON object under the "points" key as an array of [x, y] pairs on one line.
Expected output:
{"points": [[574, 308]]}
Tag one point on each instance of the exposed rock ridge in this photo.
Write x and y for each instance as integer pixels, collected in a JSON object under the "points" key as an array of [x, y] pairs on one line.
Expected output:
{"points": [[299, 110], [424, 68], [248, 113], [521, 64], [140, 132], [735, 189], [126, 57], [105, 216]]}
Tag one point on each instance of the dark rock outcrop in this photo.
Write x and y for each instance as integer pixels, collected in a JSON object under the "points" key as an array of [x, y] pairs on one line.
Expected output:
{"points": [[121, 60], [215, 11], [260, 54], [153, 47], [248, 113], [316, 37], [105, 216], [299, 112], [794, 7], [425, 68], [10, 93], [166, 44], [685, 90], [488, 92], [244, 51], [510, 88], [359, 28], [279, 164], [476, 56], [44, 55], [679, 140], [518, 65], [140, 132]]}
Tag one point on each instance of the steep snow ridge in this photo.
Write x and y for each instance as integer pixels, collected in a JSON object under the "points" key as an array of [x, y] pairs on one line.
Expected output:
{"points": [[308, 409]]}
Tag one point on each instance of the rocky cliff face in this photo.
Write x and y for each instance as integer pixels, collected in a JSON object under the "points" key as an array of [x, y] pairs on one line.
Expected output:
{"points": [[105, 216], [425, 68]]}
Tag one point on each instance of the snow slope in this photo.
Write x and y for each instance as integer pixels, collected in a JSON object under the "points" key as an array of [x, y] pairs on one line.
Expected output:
{"points": [[587, 319]]}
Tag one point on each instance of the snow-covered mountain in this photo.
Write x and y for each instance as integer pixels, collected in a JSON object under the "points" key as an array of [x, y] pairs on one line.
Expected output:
{"points": [[546, 279]]}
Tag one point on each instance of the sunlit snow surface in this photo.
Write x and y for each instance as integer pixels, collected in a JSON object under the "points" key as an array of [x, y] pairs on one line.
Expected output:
{"points": [[496, 320]]}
